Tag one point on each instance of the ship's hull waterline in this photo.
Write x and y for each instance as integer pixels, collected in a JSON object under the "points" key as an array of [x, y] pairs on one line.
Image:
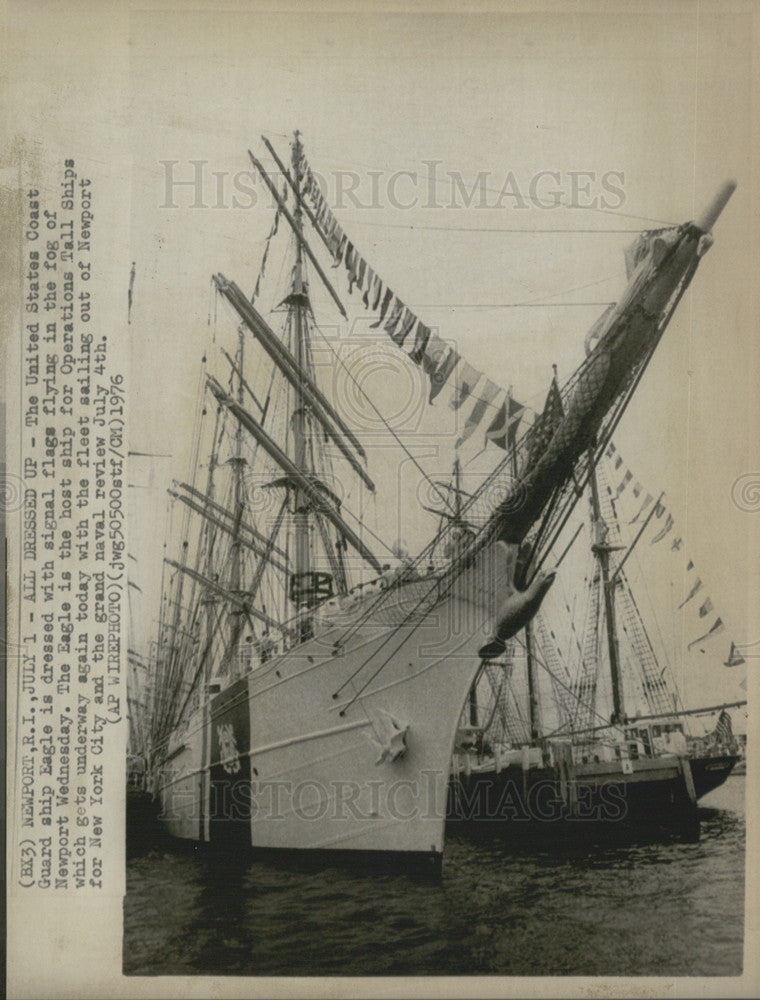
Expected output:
{"points": [[276, 761]]}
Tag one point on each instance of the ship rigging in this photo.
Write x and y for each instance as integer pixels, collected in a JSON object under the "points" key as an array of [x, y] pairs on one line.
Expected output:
{"points": [[283, 676]]}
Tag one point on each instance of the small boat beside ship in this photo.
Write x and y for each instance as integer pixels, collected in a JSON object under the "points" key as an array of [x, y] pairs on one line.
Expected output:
{"points": [[643, 772], [618, 789]]}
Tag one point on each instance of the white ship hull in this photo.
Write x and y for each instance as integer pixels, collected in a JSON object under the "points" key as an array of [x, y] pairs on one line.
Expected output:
{"points": [[277, 761]]}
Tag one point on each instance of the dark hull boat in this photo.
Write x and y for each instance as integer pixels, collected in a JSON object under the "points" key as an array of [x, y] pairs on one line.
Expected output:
{"points": [[657, 795], [560, 795], [556, 787], [607, 807], [709, 773]]}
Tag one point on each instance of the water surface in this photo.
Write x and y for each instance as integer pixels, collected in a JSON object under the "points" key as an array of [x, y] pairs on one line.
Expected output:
{"points": [[666, 908]]}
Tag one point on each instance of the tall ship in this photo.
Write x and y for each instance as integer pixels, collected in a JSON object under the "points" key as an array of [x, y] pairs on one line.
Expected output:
{"points": [[539, 747], [308, 676]]}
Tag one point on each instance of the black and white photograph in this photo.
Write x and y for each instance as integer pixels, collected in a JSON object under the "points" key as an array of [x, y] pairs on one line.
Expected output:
{"points": [[383, 499]]}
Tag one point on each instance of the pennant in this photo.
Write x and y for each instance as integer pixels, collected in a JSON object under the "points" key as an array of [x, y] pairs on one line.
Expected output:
{"points": [[467, 379], [515, 413], [610, 450], [637, 488], [503, 428], [355, 264], [735, 658], [618, 462], [442, 373], [361, 271], [421, 337], [342, 246], [434, 354], [706, 608], [697, 586], [487, 394], [386, 302], [313, 191], [395, 317], [376, 295], [597, 329], [407, 325], [624, 482], [669, 522], [717, 627], [689, 565], [350, 264], [647, 501], [368, 286], [334, 241]]}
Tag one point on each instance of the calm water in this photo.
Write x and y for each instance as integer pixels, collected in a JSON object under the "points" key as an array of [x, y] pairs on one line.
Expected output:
{"points": [[650, 909]]}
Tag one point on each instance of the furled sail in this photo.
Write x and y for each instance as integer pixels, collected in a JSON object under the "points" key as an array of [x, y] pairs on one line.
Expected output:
{"points": [[558, 453], [305, 482], [226, 522], [608, 374], [334, 425]]}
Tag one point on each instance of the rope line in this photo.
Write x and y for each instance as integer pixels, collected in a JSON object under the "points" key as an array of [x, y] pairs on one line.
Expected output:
{"points": [[379, 414]]}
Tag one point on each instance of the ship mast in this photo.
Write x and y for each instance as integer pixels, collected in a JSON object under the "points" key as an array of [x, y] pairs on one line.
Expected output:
{"points": [[602, 550], [534, 706], [533, 702], [472, 697], [298, 302], [239, 505]]}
